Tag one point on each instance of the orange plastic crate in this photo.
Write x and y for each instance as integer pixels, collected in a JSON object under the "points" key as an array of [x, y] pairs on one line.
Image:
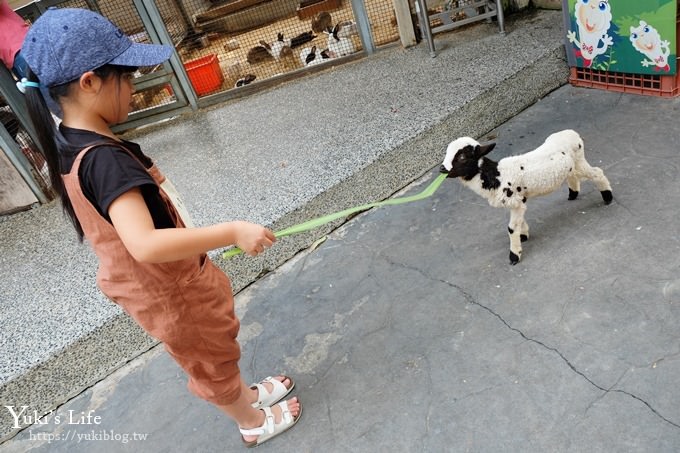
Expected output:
{"points": [[646, 84], [205, 74]]}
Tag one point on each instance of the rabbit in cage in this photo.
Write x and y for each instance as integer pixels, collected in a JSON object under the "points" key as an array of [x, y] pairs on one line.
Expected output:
{"points": [[310, 56], [339, 43], [282, 46], [322, 21], [259, 53]]}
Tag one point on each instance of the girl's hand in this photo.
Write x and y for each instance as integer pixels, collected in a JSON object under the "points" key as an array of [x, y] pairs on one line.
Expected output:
{"points": [[252, 238], [134, 225]]}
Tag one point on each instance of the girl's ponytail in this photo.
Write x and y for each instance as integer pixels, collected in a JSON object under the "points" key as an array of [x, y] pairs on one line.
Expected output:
{"points": [[51, 142]]}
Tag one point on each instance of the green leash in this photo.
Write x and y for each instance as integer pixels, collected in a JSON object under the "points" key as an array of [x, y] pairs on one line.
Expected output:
{"points": [[314, 223]]}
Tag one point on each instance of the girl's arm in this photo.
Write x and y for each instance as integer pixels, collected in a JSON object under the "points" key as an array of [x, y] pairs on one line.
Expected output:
{"points": [[132, 220]]}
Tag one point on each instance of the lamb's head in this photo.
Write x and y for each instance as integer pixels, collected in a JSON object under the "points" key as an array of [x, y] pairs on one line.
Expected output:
{"points": [[462, 157]]}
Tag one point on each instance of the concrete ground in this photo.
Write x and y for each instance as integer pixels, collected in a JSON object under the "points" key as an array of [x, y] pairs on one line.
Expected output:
{"points": [[407, 329]]}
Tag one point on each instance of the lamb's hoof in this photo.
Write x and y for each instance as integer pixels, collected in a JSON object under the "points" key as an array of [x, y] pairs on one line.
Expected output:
{"points": [[514, 259], [607, 196], [573, 194], [523, 237]]}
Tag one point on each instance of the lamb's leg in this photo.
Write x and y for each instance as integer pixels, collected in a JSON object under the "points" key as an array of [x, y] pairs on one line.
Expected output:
{"points": [[596, 175], [574, 183], [514, 230], [524, 231]]}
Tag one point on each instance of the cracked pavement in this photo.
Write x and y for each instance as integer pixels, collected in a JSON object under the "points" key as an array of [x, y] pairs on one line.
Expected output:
{"points": [[407, 329]]}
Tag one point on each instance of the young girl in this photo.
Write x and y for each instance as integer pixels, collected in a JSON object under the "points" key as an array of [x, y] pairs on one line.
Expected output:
{"points": [[150, 262]]}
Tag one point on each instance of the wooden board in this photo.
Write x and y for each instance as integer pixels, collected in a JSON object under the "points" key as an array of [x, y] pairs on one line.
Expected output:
{"points": [[15, 195]]}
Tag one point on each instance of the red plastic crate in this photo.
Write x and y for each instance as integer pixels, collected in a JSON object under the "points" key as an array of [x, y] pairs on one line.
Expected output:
{"points": [[205, 74], [646, 84]]}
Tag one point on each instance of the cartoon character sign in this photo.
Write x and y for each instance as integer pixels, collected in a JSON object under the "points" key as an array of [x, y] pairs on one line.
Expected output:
{"points": [[593, 18], [613, 35], [647, 40]]}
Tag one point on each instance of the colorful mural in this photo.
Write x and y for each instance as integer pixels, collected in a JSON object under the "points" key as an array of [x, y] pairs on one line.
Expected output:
{"points": [[623, 35]]}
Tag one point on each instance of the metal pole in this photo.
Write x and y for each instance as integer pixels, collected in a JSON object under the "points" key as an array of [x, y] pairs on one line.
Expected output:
{"points": [[501, 18], [153, 22], [363, 25], [421, 10]]}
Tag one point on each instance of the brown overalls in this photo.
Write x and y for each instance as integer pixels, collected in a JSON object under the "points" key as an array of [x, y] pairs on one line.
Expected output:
{"points": [[187, 304]]}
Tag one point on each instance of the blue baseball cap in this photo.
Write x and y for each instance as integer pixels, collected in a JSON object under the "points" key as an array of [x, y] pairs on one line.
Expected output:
{"points": [[65, 43]]}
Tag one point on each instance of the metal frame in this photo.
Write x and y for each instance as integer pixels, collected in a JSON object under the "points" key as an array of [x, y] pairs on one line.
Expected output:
{"points": [[363, 26], [173, 73], [492, 9], [18, 106]]}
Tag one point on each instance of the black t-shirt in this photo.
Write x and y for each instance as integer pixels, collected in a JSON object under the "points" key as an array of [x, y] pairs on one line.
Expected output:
{"points": [[107, 171]]}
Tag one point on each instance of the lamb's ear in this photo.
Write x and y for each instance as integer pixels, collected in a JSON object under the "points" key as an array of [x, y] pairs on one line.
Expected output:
{"points": [[483, 150]]}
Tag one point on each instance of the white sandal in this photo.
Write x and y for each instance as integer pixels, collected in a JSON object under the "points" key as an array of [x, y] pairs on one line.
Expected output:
{"points": [[270, 428], [279, 391]]}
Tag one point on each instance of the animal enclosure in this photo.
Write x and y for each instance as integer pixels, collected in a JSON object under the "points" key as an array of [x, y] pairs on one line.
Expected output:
{"points": [[224, 45], [254, 40]]}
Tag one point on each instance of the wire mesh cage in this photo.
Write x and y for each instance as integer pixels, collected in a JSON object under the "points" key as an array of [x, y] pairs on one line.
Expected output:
{"points": [[125, 15], [226, 44], [241, 41], [234, 43], [383, 21]]}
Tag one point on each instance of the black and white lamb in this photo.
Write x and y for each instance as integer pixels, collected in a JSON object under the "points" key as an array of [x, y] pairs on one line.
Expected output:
{"points": [[511, 181]]}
